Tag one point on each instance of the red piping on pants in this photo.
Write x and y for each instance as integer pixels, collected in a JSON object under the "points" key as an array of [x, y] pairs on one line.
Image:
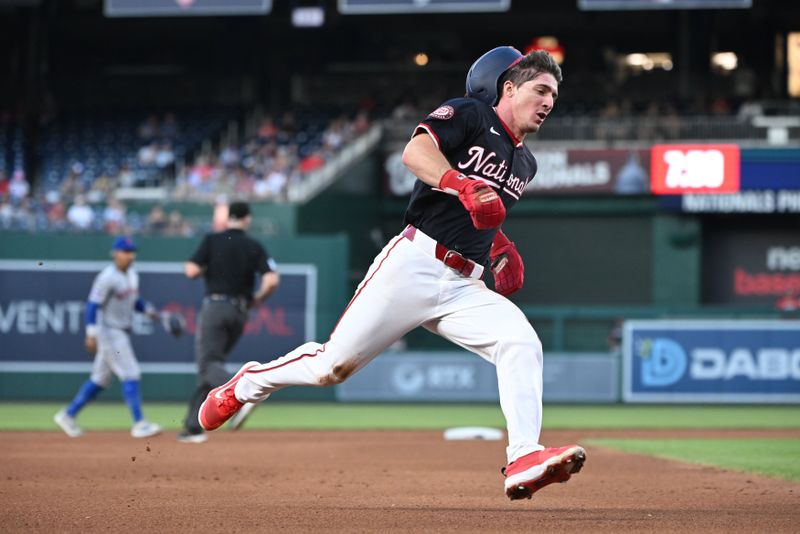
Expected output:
{"points": [[319, 351]]}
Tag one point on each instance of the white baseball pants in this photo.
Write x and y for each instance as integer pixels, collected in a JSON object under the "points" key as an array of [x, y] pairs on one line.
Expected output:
{"points": [[114, 356], [407, 287]]}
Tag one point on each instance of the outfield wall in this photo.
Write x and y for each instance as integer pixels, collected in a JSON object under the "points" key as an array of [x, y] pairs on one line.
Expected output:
{"points": [[45, 278]]}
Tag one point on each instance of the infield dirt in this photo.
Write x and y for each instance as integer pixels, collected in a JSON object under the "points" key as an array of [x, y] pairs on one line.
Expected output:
{"points": [[259, 481]]}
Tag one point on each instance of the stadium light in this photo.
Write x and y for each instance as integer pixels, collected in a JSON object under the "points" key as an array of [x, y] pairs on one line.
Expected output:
{"points": [[649, 61], [725, 60], [549, 44], [793, 62], [308, 17]]}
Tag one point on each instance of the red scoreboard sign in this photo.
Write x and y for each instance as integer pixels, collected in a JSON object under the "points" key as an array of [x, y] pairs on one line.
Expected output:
{"points": [[700, 169]]}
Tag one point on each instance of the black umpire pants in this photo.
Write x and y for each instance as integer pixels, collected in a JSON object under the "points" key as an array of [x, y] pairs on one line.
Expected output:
{"points": [[220, 325]]}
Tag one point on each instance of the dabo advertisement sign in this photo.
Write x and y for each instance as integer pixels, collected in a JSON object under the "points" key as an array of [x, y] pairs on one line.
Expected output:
{"points": [[711, 361], [42, 309]]}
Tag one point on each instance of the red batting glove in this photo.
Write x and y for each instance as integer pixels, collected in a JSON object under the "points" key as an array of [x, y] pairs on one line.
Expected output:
{"points": [[507, 266], [483, 204]]}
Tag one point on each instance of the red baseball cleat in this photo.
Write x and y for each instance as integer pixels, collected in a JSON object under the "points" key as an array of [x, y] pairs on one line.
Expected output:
{"points": [[530, 473], [221, 403]]}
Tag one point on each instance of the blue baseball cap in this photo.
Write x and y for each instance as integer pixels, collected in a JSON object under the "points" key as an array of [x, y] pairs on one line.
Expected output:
{"points": [[124, 243]]}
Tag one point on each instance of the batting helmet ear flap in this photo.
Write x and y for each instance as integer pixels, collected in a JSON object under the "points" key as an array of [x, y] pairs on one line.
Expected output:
{"points": [[484, 75]]}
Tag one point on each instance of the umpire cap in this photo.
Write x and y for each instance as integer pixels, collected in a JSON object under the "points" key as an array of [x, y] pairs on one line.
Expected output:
{"points": [[485, 73], [238, 210]]}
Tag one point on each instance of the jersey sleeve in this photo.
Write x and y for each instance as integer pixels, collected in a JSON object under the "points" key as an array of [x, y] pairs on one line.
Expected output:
{"points": [[452, 123], [101, 287], [98, 294], [202, 255]]}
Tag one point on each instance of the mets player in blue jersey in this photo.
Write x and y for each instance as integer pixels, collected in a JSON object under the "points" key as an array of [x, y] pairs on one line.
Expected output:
{"points": [[113, 298], [472, 166]]}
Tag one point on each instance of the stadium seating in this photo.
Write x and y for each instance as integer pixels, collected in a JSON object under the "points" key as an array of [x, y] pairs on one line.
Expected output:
{"points": [[98, 145]]}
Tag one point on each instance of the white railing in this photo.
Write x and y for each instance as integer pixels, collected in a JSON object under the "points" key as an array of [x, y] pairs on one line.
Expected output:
{"points": [[770, 131], [587, 132], [310, 184]]}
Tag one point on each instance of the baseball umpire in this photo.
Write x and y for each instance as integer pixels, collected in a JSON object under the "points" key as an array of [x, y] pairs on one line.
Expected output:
{"points": [[229, 261], [472, 166], [109, 316]]}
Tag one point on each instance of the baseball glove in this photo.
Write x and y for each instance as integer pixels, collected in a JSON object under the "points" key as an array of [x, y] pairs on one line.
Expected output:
{"points": [[173, 323]]}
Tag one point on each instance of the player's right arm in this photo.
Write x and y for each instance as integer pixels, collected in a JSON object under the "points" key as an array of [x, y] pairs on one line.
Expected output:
{"points": [[97, 296], [423, 157], [447, 128]]}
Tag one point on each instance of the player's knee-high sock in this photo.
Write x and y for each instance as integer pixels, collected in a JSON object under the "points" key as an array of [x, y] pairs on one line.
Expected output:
{"points": [[87, 392], [130, 390]]}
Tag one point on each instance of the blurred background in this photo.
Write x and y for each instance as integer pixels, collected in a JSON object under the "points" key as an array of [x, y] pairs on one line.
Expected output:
{"points": [[668, 183]]}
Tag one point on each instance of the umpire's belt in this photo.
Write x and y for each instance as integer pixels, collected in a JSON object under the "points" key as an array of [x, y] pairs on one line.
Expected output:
{"points": [[451, 258], [239, 302]]}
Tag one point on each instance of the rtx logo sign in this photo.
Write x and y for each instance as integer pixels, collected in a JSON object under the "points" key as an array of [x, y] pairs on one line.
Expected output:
{"points": [[679, 169]]}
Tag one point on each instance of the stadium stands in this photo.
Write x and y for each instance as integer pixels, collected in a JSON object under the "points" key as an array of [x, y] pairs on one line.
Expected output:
{"points": [[136, 150], [274, 155]]}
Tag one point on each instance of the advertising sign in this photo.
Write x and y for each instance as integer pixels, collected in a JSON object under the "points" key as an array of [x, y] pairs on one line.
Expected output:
{"points": [[759, 173], [706, 169], [617, 5], [745, 361], [465, 377], [588, 172], [173, 8], [382, 7], [560, 172], [756, 267], [759, 202], [42, 311]]}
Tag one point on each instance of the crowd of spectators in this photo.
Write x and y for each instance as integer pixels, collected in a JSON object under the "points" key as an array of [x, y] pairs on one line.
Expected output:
{"points": [[20, 209], [279, 153], [626, 117], [259, 169], [156, 155]]}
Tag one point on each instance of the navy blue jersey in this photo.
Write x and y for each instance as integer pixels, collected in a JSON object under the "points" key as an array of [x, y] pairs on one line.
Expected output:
{"points": [[476, 142]]}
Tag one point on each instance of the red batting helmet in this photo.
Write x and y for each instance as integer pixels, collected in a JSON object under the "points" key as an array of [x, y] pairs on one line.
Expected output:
{"points": [[485, 73]]}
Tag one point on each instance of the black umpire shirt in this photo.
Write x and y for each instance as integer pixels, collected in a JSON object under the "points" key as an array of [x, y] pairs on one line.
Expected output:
{"points": [[231, 260], [477, 143]]}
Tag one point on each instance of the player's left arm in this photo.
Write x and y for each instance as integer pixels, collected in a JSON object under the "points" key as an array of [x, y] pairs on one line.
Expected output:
{"points": [[507, 266], [269, 283], [147, 308]]}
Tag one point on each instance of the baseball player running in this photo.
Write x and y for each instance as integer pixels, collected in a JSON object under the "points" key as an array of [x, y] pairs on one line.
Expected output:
{"points": [[472, 166], [109, 314]]}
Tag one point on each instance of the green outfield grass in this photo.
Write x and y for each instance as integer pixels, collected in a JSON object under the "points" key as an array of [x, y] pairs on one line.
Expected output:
{"points": [[280, 415], [772, 457]]}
